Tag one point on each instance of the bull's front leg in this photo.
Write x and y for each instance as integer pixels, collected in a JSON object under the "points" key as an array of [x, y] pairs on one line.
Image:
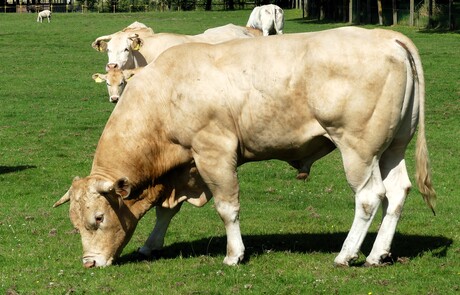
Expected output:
{"points": [[226, 196], [216, 160], [156, 239], [229, 212]]}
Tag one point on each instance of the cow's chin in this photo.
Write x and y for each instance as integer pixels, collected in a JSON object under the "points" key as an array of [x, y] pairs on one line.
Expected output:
{"points": [[90, 261]]}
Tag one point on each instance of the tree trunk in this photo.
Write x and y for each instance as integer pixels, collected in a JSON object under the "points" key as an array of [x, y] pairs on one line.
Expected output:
{"points": [[357, 19], [231, 5], [306, 8], [208, 5], [369, 12], [379, 7], [350, 12], [395, 13], [322, 10], [411, 18], [430, 14]]}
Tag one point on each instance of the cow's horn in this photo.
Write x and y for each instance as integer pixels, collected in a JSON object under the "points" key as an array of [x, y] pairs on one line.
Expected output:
{"points": [[103, 186], [65, 198]]}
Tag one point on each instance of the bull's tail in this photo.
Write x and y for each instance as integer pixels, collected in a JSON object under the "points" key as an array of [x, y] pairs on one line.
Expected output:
{"points": [[423, 168]]}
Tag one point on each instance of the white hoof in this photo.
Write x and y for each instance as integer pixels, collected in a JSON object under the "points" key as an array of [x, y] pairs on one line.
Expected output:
{"points": [[344, 261], [232, 260]]}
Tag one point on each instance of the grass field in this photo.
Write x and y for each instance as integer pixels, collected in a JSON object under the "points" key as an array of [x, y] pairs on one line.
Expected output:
{"points": [[52, 114]]}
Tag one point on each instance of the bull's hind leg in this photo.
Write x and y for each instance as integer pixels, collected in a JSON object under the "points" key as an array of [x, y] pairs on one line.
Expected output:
{"points": [[397, 185], [363, 175], [156, 239]]}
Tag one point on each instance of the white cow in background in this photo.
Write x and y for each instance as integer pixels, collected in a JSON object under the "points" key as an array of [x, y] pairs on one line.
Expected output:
{"points": [[116, 80], [123, 46], [147, 49], [44, 14], [132, 48], [268, 18]]}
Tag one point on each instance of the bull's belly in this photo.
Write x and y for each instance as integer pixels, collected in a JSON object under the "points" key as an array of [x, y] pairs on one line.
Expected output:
{"points": [[288, 146]]}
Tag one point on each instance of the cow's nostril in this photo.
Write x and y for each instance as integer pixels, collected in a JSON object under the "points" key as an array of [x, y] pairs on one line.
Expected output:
{"points": [[89, 264]]}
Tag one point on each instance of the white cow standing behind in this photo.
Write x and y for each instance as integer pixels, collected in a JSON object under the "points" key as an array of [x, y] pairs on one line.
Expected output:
{"points": [[116, 80], [123, 46], [132, 48], [44, 14], [268, 18], [136, 51]]}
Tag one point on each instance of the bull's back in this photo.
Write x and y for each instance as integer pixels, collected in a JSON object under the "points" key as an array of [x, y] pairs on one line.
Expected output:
{"points": [[285, 88]]}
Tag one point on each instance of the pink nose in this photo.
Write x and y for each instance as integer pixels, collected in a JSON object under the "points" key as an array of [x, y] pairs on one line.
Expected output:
{"points": [[89, 264], [114, 99], [111, 66]]}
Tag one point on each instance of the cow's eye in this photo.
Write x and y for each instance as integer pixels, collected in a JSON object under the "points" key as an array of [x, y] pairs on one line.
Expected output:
{"points": [[122, 83], [108, 84], [126, 49]]}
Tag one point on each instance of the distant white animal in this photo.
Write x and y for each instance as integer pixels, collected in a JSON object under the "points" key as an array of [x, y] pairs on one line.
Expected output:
{"points": [[44, 14], [268, 18]]}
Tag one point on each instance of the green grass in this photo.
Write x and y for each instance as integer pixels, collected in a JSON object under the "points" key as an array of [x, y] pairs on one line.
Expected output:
{"points": [[52, 114]]}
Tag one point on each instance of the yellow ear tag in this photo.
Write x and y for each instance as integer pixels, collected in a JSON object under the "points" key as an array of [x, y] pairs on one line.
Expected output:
{"points": [[100, 49], [137, 47], [98, 80]]}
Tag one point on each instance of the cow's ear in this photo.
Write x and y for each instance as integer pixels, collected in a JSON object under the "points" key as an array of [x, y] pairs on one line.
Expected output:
{"points": [[99, 78], [99, 45], [102, 46], [136, 42], [122, 187]]}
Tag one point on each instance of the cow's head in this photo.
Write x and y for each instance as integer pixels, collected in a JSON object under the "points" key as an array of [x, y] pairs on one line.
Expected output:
{"points": [[105, 221], [119, 47], [106, 213], [116, 80]]}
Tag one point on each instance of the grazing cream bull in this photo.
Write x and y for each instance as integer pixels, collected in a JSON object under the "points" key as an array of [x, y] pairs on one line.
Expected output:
{"points": [[44, 14], [150, 47], [268, 18], [215, 107]]}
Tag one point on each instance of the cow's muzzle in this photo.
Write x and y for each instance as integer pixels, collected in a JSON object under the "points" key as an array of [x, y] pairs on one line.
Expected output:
{"points": [[114, 99], [96, 261], [89, 264]]}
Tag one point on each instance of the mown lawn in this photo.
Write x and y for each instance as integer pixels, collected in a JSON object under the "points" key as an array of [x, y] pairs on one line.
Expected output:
{"points": [[52, 114]]}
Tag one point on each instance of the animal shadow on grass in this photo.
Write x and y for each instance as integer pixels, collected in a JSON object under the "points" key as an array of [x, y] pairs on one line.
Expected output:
{"points": [[12, 169], [404, 247]]}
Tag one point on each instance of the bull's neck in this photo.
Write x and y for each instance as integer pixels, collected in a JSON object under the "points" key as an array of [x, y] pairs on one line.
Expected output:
{"points": [[127, 148]]}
